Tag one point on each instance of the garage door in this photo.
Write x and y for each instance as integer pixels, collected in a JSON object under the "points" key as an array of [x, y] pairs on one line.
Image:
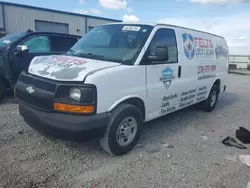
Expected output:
{"points": [[45, 26]]}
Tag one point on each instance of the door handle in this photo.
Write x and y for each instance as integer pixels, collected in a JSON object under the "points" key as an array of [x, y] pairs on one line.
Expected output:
{"points": [[179, 71]]}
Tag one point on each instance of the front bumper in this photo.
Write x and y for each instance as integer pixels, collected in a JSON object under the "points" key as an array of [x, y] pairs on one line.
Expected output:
{"points": [[37, 110], [65, 126]]}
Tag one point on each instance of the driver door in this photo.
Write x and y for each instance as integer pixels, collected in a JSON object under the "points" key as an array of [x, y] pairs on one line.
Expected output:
{"points": [[37, 45], [163, 77]]}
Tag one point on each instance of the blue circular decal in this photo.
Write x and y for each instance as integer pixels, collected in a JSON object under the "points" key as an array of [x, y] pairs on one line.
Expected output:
{"points": [[188, 42]]}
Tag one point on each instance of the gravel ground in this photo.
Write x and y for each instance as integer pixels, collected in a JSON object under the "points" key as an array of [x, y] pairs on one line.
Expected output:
{"points": [[197, 158]]}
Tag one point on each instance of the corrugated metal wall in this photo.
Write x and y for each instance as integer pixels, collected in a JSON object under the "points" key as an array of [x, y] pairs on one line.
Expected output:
{"points": [[95, 22], [1, 16], [19, 19]]}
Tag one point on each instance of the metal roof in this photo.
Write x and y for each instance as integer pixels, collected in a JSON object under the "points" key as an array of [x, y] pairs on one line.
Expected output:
{"points": [[57, 11]]}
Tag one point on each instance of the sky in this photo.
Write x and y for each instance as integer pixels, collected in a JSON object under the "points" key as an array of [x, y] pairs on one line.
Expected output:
{"points": [[228, 18]]}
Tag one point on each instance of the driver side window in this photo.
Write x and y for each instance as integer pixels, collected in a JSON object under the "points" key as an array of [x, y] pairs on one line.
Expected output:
{"points": [[167, 38], [38, 44]]}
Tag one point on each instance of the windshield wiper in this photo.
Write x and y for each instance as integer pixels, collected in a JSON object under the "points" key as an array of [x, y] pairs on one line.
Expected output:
{"points": [[72, 51], [90, 55], [93, 56]]}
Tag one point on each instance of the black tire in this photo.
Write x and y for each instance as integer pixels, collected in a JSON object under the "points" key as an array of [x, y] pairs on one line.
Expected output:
{"points": [[2, 89], [109, 142], [208, 105]]}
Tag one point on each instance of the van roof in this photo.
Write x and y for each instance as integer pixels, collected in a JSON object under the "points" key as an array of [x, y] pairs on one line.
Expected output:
{"points": [[157, 23]]}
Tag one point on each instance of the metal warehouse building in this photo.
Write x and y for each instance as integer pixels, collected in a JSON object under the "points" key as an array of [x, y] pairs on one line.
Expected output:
{"points": [[241, 61], [20, 18]]}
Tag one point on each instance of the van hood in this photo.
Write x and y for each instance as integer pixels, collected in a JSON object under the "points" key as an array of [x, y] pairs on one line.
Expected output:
{"points": [[66, 68]]}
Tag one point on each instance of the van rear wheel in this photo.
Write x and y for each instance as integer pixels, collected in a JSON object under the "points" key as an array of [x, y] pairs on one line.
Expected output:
{"points": [[209, 104], [2, 89], [123, 131]]}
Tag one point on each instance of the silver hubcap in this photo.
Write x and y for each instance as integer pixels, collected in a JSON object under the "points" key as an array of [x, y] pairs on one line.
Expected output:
{"points": [[213, 98], [126, 131]]}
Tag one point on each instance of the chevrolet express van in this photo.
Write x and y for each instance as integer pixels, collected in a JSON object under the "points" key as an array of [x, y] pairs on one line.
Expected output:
{"points": [[119, 76]]}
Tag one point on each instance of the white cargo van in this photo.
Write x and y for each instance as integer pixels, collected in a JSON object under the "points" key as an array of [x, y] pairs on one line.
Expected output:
{"points": [[119, 76]]}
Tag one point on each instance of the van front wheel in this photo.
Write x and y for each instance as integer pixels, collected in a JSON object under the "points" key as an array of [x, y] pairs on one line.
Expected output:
{"points": [[123, 131], [209, 104]]}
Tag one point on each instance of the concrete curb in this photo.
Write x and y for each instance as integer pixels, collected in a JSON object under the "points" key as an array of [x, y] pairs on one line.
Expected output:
{"points": [[240, 73]]}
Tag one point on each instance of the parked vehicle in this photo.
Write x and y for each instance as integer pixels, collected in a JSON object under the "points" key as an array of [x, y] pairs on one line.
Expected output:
{"points": [[119, 76], [17, 50]]}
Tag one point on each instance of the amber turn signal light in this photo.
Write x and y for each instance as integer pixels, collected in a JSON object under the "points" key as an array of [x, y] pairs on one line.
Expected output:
{"points": [[73, 108]]}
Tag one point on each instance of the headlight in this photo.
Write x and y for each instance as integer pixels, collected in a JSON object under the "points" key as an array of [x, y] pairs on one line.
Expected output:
{"points": [[82, 94], [75, 94]]}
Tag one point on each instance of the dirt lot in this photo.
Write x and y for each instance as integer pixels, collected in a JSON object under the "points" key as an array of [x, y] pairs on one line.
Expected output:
{"points": [[28, 160]]}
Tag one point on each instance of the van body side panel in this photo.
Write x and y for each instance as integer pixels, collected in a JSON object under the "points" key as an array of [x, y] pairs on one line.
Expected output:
{"points": [[117, 84], [205, 59], [202, 58], [198, 66], [188, 92], [222, 58]]}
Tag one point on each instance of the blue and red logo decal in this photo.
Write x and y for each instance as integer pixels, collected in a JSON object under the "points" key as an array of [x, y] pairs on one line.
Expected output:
{"points": [[167, 77], [189, 48]]}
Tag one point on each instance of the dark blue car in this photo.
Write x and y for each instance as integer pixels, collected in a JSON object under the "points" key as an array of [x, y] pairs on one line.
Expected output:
{"points": [[17, 50]]}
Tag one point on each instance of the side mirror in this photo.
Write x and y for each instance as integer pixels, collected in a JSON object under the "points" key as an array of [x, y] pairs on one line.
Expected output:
{"points": [[22, 48], [161, 54]]}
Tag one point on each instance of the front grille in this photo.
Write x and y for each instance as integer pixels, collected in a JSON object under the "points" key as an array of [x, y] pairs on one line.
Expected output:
{"points": [[33, 100], [38, 83]]}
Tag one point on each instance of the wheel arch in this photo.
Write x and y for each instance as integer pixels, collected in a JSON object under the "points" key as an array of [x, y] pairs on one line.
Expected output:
{"points": [[135, 100], [218, 83]]}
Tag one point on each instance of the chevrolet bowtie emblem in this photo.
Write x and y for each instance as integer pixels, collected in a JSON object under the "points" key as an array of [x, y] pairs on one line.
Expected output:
{"points": [[30, 89]]}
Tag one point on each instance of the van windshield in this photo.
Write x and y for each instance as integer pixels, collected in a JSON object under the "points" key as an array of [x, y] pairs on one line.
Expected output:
{"points": [[9, 39], [119, 43]]}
